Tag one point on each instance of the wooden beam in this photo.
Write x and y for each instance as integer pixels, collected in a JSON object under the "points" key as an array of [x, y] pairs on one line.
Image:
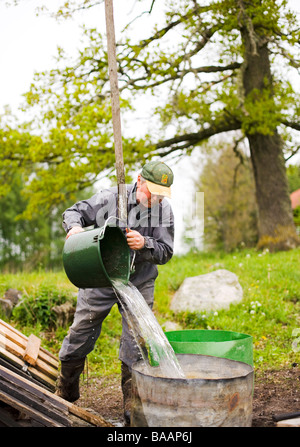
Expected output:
{"points": [[16, 350], [32, 350], [17, 361], [16, 369], [115, 104], [295, 422], [34, 414], [40, 404], [20, 339], [55, 401], [8, 420], [93, 419], [35, 388]]}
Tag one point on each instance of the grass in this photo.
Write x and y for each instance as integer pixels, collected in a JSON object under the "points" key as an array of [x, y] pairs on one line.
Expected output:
{"points": [[269, 310]]}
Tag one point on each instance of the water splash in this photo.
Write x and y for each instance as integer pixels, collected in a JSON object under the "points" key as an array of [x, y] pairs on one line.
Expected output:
{"points": [[147, 333]]}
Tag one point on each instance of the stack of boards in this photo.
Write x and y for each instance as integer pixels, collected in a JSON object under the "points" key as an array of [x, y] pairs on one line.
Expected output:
{"points": [[27, 355], [28, 374]]}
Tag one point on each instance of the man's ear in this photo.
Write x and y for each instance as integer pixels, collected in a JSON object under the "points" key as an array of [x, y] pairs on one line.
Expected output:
{"points": [[138, 182]]}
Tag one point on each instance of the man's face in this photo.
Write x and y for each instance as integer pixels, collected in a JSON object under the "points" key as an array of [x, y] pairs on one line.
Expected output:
{"points": [[144, 196]]}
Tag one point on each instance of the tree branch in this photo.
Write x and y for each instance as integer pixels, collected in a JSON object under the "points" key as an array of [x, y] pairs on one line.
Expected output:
{"points": [[163, 31], [140, 15], [216, 68], [179, 75], [294, 152], [291, 124], [181, 142]]}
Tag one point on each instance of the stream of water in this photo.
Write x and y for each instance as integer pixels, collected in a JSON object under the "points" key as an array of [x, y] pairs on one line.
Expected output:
{"points": [[149, 336]]}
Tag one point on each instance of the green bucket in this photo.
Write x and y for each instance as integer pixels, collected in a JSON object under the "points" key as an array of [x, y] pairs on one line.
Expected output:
{"points": [[225, 344], [95, 258]]}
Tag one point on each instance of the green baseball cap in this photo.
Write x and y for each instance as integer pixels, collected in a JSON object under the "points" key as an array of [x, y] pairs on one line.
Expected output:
{"points": [[159, 178]]}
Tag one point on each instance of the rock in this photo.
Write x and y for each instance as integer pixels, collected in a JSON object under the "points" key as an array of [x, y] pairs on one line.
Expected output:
{"points": [[13, 295], [171, 326], [64, 314], [212, 291], [10, 299], [6, 307]]}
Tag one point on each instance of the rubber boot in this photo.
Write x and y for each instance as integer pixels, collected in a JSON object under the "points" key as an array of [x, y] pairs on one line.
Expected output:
{"points": [[68, 380], [126, 389]]}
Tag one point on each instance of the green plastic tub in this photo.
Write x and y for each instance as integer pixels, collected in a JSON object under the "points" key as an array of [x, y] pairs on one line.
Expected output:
{"points": [[95, 258], [225, 344]]}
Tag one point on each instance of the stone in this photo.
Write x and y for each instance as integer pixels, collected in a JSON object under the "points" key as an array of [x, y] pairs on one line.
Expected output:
{"points": [[13, 295], [64, 314], [212, 291], [6, 307], [8, 302], [171, 326]]}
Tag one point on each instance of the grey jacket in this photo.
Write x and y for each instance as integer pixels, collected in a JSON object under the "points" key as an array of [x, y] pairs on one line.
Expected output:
{"points": [[156, 224]]}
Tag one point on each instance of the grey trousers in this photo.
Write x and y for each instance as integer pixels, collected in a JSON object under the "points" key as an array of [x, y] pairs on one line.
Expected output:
{"points": [[93, 306]]}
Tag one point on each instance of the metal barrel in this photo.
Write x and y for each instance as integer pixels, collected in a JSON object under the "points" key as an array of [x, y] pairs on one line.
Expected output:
{"points": [[217, 392], [227, 344], [94, 258]]}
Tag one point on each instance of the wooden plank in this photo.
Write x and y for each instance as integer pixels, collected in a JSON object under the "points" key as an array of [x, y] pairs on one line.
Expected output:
{"points": [[79, 412], [20, 363], [13, 368], [8, 326], [6, 343], [46, 369], [17, 346], [29, 411], [18, 391], [39, 403], [89, 417], [18, 351], [33, 371], [295, 422], [34, 388], [7, 419], [32, 350], [20, 339]]}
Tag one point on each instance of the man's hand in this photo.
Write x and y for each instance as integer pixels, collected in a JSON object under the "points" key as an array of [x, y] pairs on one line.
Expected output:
{"points": [[134, 239], [74, 230]]}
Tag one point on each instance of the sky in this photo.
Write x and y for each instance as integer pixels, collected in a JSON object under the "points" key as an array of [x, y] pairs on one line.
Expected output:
{"points": [[28, 44]]}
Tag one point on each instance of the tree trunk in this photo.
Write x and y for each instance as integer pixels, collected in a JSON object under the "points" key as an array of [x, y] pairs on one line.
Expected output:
{"points": [[276, 227]]}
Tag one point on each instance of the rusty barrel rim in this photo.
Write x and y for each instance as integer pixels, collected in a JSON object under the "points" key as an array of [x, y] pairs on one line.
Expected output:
{"points": [[248, 369]]}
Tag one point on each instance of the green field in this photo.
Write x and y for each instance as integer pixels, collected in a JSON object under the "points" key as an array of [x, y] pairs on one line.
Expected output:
{"points": [[269, 311]]}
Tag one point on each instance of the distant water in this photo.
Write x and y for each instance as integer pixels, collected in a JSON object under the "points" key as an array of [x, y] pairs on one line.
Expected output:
{"points": [[148, 334]]}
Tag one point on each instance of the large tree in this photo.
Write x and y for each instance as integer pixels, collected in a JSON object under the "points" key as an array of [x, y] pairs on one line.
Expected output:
{"points": [[214, 67], [230, 211]]}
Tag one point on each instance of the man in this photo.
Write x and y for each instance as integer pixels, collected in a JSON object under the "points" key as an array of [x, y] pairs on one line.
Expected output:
{"points": [[150, 235]]}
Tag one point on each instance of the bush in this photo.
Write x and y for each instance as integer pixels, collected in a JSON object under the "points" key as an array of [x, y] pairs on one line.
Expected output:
{"points": [[36, 307]]}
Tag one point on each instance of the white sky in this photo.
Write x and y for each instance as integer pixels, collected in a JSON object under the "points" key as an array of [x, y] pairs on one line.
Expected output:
{"points": [[29, 44]]}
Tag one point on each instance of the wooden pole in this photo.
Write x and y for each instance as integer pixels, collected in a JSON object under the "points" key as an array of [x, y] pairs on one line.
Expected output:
{"points": [[115, 103]]}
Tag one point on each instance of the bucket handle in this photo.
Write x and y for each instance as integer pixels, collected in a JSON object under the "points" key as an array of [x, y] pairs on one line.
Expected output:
{"points": [[132, 262], [102, 230]]}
